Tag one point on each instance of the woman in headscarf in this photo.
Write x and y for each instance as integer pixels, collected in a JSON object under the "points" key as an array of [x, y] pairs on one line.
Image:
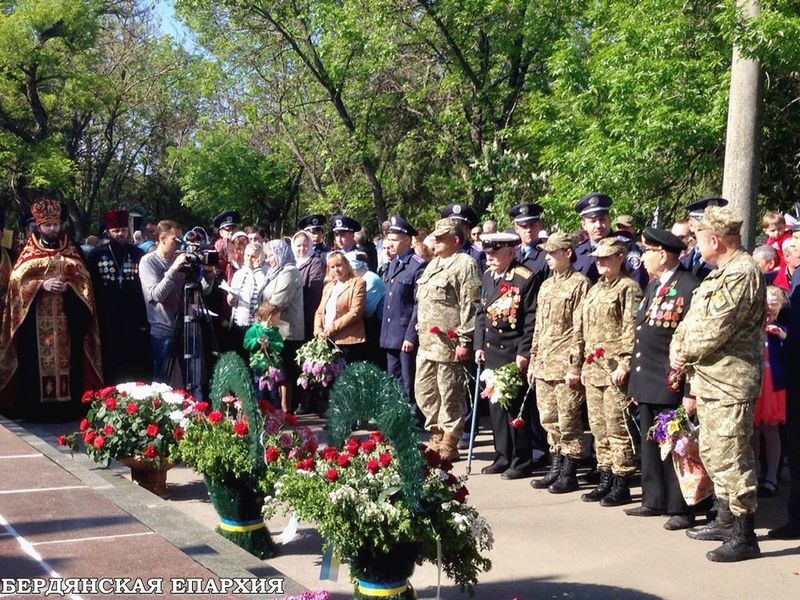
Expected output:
{"points": [[246, 286], [284, 290]]}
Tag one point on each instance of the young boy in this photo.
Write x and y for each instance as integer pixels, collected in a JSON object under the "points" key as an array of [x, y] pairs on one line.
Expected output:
{"points": [[773, 225]]}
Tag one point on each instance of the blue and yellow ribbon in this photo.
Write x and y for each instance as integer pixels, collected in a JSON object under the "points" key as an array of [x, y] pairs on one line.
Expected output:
{"points": [[382, 590], [228, 525]]}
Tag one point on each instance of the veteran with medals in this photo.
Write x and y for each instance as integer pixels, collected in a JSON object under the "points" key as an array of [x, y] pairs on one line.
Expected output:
{"points": [[49, 343], [666, 300], [503, 333]]}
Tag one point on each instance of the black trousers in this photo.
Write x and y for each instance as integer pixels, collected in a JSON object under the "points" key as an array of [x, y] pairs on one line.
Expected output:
{"points": [[403, 367], [660, 488], [792, 449], [512, 445]]}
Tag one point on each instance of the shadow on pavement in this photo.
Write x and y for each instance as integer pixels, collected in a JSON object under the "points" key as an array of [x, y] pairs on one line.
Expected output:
{"points": [[540, 588]]}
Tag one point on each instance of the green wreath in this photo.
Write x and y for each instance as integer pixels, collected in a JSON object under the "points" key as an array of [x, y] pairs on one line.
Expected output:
{"points": [[363, 392]]}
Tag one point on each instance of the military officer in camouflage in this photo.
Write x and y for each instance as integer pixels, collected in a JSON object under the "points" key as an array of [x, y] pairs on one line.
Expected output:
{"points": [[447, 297], [558, 392], [720, 344], [605, 330]]}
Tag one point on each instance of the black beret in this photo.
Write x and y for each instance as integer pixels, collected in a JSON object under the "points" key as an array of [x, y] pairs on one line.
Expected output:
{"points": [[663, 239]]}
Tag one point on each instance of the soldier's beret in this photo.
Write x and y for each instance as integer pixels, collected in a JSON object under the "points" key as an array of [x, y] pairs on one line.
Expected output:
{"points": [[558, 240], [446, 227], [398, 224], [720, 220], [609, 247], [460, 212], [312, 222], [663, 239], [344, 223], [493, 241], [527, 212], [697, 207], [593, 204], [228, 218]]}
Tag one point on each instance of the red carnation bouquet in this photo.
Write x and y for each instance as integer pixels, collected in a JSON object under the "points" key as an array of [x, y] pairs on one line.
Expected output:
{"points": [[134, 420]]}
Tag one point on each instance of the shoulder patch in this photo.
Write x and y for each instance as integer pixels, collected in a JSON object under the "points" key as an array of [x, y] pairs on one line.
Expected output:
{"points": [[522, 271]]}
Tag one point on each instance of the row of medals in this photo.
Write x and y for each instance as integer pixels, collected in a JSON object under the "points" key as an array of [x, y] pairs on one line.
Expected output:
{"points": [[108, 269], [665, 311]]}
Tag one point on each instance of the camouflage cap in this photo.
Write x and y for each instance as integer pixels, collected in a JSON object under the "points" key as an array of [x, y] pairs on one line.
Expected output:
{"points": [[609, 247], [558, 240], [625, 221], [446, 226], [720, 220]]}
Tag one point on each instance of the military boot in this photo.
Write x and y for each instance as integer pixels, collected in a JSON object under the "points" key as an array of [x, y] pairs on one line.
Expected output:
{"points": [[567, 480], [741, 545], [552, 474], [436, 440], [719, 529], [620, 492], [603, 487], [448, 448]]}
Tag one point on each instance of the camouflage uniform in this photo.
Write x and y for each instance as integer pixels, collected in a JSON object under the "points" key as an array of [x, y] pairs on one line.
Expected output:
{"points": [[447, 298], [606, 320], [554, 345], [722, 340]]}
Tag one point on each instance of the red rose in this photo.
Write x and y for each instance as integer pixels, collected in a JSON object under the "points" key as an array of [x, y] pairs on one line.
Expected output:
{"points": [[215, 416], [156, 402], [150, 451], [240, 428], [451, 479], [343, 461], [111, 403], [377, 437], [446, 466], [373, 466], [598, 352], [330, 453], [290, 419], [435, 330], [98, 442], [88, 437], [516, 423], [331, 475], [367, 446], [201, 407], [265, 406], [461, 494], [152, 430], [107, 391], [305, 465], [62, 440], [131, 408], [84, 425], [590, 359], [451, 333], [433, 458], [178, 433], [87, 397], [272, 454], [108, 430], [385, 459]]}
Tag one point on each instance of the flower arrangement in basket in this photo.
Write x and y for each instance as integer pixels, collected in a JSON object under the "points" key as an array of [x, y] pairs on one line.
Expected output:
{"points": [[380, 502], [677, 436], [502, 384], [265, 344], [320, 361]]}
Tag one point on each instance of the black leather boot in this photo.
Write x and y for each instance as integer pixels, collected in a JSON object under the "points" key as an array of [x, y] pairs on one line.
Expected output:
{"points": [[720, 529], [603, 487], [620, 492], [741, 545], [567, 480], [552, 474]]}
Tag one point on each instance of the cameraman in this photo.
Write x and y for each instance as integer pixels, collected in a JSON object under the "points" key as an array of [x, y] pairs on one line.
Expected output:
{"points": [[162, 274]]}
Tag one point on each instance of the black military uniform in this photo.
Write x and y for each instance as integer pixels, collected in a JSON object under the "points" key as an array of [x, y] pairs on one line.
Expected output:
{"points": [[665, 303], [504, 330], [345, 223], [465, 214], [309, 223], [693, 261]]}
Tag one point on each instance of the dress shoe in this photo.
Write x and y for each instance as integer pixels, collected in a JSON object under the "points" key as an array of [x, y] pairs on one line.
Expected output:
{"points": [[513, 473], [676, 522], [643, 511], [790, 531], [495, 468]]}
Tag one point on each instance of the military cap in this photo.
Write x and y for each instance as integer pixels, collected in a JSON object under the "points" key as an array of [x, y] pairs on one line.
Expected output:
{"points": [[593, 204], [398, 224], [527, 212], [720, 220], [445, 227], [460, 212], [609, 247], [228, 218], [558, 240], [492, 241], [625, 221], [697, 207], [312, 222], [344, 223], [663, 239], [115, 219]]}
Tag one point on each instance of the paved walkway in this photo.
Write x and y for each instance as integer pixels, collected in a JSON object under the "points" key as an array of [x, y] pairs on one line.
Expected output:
{"points": [[546, 546]]}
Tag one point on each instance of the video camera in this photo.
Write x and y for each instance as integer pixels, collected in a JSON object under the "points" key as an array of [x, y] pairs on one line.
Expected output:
{"points": [[197, 250]]}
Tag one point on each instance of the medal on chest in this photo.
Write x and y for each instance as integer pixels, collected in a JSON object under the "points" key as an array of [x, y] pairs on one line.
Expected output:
{"points": [[666, 308], [505, 307]]}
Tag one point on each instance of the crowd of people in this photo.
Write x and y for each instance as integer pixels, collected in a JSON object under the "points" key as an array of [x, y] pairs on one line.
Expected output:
{"points": [[606, 328]]}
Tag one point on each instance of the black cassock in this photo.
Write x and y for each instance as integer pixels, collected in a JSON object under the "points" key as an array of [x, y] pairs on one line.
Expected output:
{"points": [[121, 313]]}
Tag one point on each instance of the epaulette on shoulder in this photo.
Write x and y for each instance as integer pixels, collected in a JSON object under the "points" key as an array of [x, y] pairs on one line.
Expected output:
{"points": [[523, 272], [417, 258]]}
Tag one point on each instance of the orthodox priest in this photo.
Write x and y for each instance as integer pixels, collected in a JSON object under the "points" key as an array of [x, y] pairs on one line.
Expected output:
{"points": [[121, 311], [49, 343]]}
